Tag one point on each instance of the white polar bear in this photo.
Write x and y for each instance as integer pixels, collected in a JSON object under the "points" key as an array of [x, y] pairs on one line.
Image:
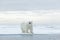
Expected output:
{"points": [[26, 27]]}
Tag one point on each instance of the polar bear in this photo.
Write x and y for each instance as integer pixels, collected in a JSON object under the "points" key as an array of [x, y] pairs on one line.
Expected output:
{"points": [[26, 27]]}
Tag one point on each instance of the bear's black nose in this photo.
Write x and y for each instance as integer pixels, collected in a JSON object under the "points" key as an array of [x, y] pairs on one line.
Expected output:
{"points": [[29, 22]]}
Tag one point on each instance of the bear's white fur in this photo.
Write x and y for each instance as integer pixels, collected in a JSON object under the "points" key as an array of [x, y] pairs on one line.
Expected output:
{"points": [[26, 27]]}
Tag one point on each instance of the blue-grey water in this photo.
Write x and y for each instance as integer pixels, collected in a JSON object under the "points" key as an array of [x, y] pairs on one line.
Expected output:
{"points": [[30, 37]]}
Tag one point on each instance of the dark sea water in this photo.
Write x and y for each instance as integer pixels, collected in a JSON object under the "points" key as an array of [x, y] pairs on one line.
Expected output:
{"points": [[30, 37]]}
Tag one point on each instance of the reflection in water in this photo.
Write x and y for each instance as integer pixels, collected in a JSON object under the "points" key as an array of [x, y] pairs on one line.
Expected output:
{"points": [[30, 37]]}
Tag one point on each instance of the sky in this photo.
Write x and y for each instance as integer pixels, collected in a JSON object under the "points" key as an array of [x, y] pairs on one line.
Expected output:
{"points": [[47, 17], [46, 9], [29, 4]]}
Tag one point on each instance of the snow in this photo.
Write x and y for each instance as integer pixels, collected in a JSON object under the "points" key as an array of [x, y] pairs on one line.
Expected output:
{"points": [[46, 31], [9, 29], [15, 29], [48, 18]]}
